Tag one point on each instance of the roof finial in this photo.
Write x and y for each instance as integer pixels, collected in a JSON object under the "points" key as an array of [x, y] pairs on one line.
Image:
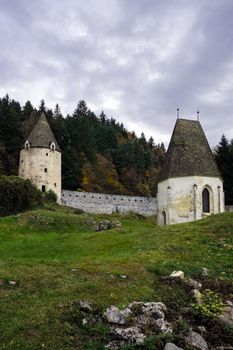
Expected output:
{"points": [[198, 115], [178, 112]]}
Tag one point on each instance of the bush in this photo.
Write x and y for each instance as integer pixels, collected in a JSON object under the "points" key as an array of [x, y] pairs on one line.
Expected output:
{"points": [[17, 195], [210, 306], [50, 196]]}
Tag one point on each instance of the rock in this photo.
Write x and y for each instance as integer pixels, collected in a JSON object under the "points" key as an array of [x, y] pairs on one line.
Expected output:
{"points": [[202, 329], [197, 296], [114, 344], [194, 284], [132, 335], [124, 277], [204, 271], [171, 346], [73, 270], [86, 306], [226, 315], [114, 315], [117, 223], [196, 341], [177, 274], [136, 305], [84, 321], [12, 283], [163, 326], [154, 309], [229, 303], [103, 225], [224, 348]]}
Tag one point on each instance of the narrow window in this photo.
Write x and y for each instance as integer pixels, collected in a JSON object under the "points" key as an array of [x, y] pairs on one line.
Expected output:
{"points": [[45, 170], [52, 146], [27, 145], [47, 154], [43, 188], [55, 185], [164, 218], [205, 201]]}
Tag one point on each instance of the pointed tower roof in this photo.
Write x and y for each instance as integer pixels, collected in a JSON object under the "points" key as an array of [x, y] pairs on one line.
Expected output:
{"points": [[189, 153], [41, 134]]}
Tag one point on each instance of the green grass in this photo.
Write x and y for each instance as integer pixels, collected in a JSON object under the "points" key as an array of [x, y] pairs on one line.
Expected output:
{"points": [[39, 248]]}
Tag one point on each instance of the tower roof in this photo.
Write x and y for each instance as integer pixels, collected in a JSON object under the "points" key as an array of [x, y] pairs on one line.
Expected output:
{"points": [[41, 134], [188, 153]]}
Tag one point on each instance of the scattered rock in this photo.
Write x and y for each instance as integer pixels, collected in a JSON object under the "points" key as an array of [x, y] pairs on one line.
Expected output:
{"points": [[73, 270], [114, 315], [84, 321], [171, 346], [163, 326], [177, 274], [117, 223], [226, 315], [12, 283], [229, 303], [204, 271], [194, 284], [155, 310], [103, 225], [86, 306], [202, 329], [115, 344], [196, 341], [131, 334], [197, 296], [124, 277]]}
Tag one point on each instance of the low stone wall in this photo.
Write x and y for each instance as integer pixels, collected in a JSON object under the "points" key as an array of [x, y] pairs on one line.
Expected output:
{"points": [[108, 203], [229, 208]]}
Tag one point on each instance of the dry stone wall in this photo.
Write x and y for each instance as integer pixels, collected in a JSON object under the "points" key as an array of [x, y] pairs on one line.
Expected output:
{"points": [[108, 203]]}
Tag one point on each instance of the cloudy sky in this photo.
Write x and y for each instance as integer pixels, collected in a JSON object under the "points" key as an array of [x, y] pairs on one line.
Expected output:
{"points": [[135, 59]]}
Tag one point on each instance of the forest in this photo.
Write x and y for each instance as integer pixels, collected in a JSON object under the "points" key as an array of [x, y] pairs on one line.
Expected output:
{"points": [[98, 153]]}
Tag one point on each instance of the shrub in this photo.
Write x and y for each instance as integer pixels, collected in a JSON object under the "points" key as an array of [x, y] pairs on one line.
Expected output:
{"points": [[50, 196], [17, 195], [210, 306]]}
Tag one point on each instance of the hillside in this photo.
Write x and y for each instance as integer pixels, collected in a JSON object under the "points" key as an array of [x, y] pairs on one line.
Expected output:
{"points": [[57, 259]]}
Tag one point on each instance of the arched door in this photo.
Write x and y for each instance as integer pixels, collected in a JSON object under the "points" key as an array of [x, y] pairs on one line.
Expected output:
{"points": [[164, 218], [205, 201]]}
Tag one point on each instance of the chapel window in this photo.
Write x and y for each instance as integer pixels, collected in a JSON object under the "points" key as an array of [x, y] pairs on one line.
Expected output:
{"points": [[205, 201]]}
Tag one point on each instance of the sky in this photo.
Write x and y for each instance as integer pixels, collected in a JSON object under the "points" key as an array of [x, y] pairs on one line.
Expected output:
{"points": [[138, 60]]}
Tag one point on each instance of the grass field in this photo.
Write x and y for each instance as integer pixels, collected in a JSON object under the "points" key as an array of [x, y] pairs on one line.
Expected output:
{"points": [[56, 257]]}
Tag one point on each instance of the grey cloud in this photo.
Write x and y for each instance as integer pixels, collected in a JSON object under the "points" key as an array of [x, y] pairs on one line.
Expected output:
{"points": [[137, 59]]}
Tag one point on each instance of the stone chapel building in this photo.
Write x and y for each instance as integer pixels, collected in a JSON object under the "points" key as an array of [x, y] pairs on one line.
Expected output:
{"points": [[190, 185], [40, 158]]}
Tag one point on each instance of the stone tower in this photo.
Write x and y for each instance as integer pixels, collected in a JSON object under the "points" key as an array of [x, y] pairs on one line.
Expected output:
{"points": [[190, 186], [40, 158]]}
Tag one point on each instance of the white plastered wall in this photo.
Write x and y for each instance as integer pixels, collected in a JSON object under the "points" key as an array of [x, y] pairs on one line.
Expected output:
{"points": [[33, 163], [180, 198]]}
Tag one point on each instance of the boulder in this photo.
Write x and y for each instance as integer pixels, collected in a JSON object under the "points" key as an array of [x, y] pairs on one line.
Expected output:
{"points": [[226, 315], [171, 346], [196, 341], [132, 335], [177, 275], [86, 306], [156, 310], [194, 284], [163, 326], [114, 315]]}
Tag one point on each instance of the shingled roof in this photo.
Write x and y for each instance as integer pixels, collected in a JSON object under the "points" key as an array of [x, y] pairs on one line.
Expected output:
{"points": [[188, 153], [41, 135]]}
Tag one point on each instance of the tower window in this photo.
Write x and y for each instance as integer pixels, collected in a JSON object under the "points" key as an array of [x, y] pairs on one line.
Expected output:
{"points": [[27, 145], [52, 146], [205, 201], [47, 154], [45, 170], [43, 188], [55, 185]]}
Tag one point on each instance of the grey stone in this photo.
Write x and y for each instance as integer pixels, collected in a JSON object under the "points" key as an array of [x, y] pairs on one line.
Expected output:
{"points": [[171, 346], [226, 315], [12, 283], [154, 309], [204, 271], [177, 275], [86, 306], [163, 326], [194, 284], [229, 303], [196, 341], [114, 315], [132, 335]]}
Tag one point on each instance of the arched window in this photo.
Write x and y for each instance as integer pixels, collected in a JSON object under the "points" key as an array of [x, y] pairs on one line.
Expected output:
{"points": [[27, 145], [53, 146], [164, 218], [205, 201], [43, 188]]}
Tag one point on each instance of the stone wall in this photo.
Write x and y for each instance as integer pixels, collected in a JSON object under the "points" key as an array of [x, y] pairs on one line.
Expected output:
{"points": [[108, 203]]}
